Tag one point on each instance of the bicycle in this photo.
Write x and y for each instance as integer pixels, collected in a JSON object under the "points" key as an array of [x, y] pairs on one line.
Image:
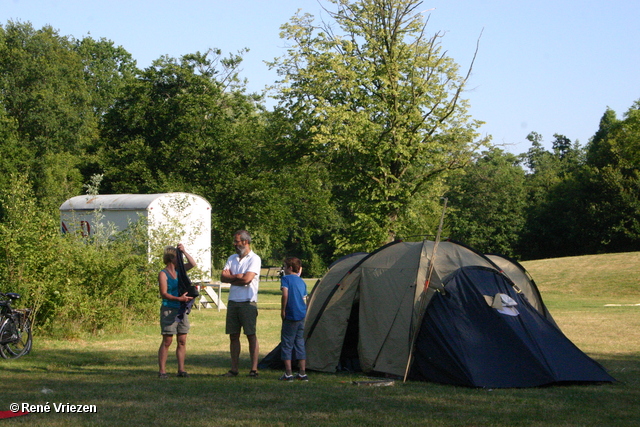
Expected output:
{"points": [[15, 328]]}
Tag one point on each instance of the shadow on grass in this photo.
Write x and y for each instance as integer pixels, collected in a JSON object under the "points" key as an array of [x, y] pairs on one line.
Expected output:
{"points": [[125, 389], [274, 292], [109, 362]]}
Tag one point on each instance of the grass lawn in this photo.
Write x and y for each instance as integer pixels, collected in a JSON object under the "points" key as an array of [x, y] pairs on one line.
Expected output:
{"points": [[118, 374]]}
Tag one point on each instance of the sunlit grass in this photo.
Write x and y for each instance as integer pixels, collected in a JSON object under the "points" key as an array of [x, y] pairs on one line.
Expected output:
{"points": [[614, 277]]}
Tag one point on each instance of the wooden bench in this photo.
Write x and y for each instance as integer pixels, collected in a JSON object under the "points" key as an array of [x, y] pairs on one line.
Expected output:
{"points": [[270, 272]]}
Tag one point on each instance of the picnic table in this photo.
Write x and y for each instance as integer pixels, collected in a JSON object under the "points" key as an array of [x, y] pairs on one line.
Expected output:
{"points": [[211, 294]]}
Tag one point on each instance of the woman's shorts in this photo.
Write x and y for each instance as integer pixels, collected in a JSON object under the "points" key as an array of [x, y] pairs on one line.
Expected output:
{"points": [[168, 323]]}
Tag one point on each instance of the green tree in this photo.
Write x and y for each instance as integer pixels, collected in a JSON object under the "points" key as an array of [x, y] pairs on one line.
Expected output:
{"points": [[379, 104], [548, 168], [188, 125], [13, 158], [45, 95], [557, 216], [300, 199], [599, 152], [613, 158], [487, 203], [107, 69], [561, 145], [586, 201], [175, 126]]}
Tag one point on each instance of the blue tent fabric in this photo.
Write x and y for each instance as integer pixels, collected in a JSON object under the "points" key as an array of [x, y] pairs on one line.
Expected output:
{"points": [[273, 360], [464, 341]]}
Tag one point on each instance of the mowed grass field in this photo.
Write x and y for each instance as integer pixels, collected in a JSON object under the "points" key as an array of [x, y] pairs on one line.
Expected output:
{"points": [[592, 298]]}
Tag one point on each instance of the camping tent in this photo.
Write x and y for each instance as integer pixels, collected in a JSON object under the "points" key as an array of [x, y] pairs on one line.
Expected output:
{"points": [[471, 324]]}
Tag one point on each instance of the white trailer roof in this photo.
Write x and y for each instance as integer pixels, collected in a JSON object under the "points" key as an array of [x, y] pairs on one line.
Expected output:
{"points": [[117, 201]]}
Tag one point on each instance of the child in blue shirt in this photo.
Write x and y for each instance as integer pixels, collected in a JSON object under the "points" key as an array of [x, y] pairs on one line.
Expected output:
{"points": [[293, 312]]}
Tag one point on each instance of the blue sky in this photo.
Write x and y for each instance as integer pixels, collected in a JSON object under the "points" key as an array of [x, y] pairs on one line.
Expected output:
{"points": [[544, 66]]}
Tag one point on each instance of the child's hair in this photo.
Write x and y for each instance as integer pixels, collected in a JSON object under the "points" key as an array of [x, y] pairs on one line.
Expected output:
{"points": [[169, 254], [293, 263]]}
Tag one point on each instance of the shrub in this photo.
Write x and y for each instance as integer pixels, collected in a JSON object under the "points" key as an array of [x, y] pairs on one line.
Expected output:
{"points": [[75, 285]]}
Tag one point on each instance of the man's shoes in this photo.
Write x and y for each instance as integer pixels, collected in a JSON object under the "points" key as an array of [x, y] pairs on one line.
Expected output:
{"points": [[183, 374], [303, 377], [253, 373], [230, 374], [286, 377]]}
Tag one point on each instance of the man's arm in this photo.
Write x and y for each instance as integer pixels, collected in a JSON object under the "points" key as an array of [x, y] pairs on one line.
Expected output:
{"points": [[240, 279]]}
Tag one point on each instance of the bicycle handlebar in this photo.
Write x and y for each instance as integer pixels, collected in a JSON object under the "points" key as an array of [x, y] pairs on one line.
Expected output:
{"points": [[10, 296]]}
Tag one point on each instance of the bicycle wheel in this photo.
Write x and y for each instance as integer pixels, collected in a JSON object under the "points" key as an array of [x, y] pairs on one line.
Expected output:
{"points": [[21, 342]]}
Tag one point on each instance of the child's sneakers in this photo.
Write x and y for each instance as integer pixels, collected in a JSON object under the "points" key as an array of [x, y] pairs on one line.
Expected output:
{"points": [[303, 377], [286, 377]]}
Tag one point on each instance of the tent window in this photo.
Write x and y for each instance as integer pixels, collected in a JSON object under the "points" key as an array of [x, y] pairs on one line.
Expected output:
{"points": [[503, 303]]}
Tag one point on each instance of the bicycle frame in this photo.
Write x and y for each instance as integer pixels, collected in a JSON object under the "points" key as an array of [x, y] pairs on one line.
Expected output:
{"points": [[15, 329]]}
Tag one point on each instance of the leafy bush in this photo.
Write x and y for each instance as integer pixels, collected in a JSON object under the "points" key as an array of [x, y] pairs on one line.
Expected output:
{"points": [[74, 284]]}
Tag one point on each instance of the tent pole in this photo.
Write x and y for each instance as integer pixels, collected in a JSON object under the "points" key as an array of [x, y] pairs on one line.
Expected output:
{"points": [[424, 291]]}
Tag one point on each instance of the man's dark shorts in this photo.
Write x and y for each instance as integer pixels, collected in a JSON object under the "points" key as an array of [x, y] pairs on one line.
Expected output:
{"points": [[241, 315]]}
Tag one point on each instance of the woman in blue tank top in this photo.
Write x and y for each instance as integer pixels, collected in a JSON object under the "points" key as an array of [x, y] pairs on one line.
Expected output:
{"points": [[171, 300]]}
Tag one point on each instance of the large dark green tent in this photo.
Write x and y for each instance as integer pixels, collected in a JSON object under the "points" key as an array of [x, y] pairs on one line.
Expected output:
{"points": [[469, 322]]}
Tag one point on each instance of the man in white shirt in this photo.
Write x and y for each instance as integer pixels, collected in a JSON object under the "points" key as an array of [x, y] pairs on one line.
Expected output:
{"points": [[242, 272]]}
